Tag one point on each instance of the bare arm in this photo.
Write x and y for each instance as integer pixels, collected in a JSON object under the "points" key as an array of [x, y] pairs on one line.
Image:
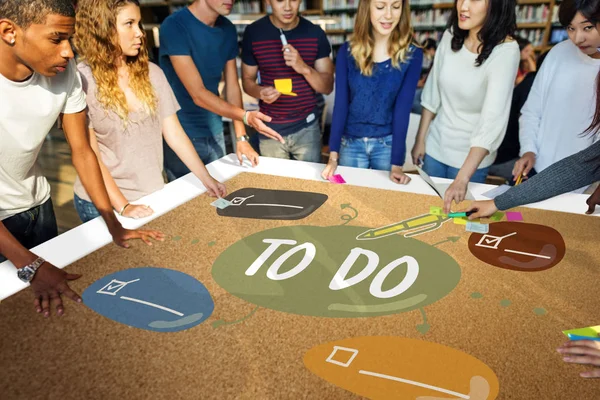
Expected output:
{"points": [[86, 164], [458, 189], [190, 77], [418, 151], [234, 96], [118, 201], [13, 250], [181, 144], [192, 81], [249, 74], [320, 78], [114, 193]]}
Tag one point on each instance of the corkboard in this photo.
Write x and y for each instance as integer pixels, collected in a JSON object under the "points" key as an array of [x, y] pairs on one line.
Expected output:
{"points": [[509, 320]]}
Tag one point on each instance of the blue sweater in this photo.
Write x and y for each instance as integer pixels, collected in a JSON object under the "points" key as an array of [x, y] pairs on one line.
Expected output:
{"points": [[376, 105]]}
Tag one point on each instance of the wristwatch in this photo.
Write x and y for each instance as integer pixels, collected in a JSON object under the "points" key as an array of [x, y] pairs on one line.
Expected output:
{"points": [[27, 273], [244, 138]]}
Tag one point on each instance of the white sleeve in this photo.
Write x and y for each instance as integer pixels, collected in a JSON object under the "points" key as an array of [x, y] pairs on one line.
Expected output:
{"points": [[531, 112], [75, 95], [501, 74], [430, 98]]}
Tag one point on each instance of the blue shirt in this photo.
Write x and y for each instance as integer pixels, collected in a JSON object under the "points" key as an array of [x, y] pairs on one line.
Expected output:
{"points": [[376, 105], [182, 34]]}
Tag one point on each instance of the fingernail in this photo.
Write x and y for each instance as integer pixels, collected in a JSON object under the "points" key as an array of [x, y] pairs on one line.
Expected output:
{"points": [[566, 358], [79, 300]]}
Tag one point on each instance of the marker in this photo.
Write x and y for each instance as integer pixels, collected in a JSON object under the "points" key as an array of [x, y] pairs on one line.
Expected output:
{"points": [[283, 39], [460, 214]]}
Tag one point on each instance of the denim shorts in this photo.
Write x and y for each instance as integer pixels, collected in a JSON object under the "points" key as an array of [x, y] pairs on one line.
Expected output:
{"points": [[85, 209]]}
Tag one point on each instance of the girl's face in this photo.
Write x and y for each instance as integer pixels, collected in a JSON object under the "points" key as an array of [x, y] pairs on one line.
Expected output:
{"points": [[584, 35], [128, 29], [471, 14], [527, 52], [385, 15]]}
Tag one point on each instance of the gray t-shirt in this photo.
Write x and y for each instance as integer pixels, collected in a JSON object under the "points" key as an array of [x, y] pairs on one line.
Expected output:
{"points": [[132, 152]]}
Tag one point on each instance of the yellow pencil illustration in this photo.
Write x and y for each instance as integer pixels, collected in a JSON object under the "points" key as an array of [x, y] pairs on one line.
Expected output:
{"points": [[411, 227]]}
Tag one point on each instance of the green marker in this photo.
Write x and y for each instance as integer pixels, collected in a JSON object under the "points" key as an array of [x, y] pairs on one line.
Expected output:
{"points": [[460, 214]]}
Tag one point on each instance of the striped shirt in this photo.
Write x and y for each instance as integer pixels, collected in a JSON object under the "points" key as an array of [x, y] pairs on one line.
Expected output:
{"points": [[262, 47]]}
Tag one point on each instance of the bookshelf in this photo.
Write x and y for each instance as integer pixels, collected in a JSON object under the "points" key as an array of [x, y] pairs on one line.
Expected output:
{"points": [[536, 19]]}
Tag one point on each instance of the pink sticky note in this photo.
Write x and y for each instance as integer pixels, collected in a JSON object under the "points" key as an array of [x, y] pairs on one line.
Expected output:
{"points": [[514, 216], [336, 179]]}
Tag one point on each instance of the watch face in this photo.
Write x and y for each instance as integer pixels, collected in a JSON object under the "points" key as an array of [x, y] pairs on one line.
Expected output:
{"points": [[25, 274]]}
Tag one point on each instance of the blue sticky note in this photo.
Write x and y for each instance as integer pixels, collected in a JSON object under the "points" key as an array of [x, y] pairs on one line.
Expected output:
{"points": [[155, 299], [221, 203], [477, 227]]}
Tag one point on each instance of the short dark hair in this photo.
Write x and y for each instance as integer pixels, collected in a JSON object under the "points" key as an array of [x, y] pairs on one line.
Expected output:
{"points": [[25, 13], [429, 43], [591, 10], [588, 8], [522, 42], [500, 23]]}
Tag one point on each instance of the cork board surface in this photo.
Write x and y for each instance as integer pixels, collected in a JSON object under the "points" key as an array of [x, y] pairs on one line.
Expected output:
{"points": [[507, 320]]}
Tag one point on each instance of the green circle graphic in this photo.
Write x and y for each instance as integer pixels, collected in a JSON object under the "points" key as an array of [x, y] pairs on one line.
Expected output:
{"points": [[301, 288]]}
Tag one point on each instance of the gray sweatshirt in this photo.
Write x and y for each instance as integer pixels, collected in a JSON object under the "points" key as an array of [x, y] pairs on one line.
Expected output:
{"points": [[568, 174]]}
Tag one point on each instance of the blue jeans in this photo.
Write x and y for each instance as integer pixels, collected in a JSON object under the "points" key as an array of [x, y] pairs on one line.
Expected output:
{"points": [[34, 226], [435, 168], [208, 148], [416, 107], [368, 152], [304, 145], [85, 209]]}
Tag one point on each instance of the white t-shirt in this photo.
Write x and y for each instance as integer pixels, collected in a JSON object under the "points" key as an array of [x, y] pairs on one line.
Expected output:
{"points": [[28, 110], [560, 106], [471, 103]]}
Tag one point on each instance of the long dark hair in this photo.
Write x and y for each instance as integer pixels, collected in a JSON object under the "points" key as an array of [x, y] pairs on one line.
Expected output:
{"points": [[590, 9], [500, 22]]}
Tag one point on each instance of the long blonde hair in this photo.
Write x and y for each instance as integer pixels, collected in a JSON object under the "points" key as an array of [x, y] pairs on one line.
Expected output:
{"points": [[97, 42], [362, 42]]}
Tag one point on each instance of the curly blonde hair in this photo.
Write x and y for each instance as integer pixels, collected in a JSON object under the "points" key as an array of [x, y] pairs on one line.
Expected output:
{"points": [[97, 43], [362, 42]]}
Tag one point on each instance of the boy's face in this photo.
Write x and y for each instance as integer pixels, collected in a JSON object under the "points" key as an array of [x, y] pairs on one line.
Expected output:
{"points": [[221, 7], [45, 48], [285, 11]]}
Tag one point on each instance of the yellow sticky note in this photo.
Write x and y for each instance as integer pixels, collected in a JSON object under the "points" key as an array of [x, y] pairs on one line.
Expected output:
{"points": [[592, 331], [464, 220], [284, 86], [460, 221], [435, 210]]}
